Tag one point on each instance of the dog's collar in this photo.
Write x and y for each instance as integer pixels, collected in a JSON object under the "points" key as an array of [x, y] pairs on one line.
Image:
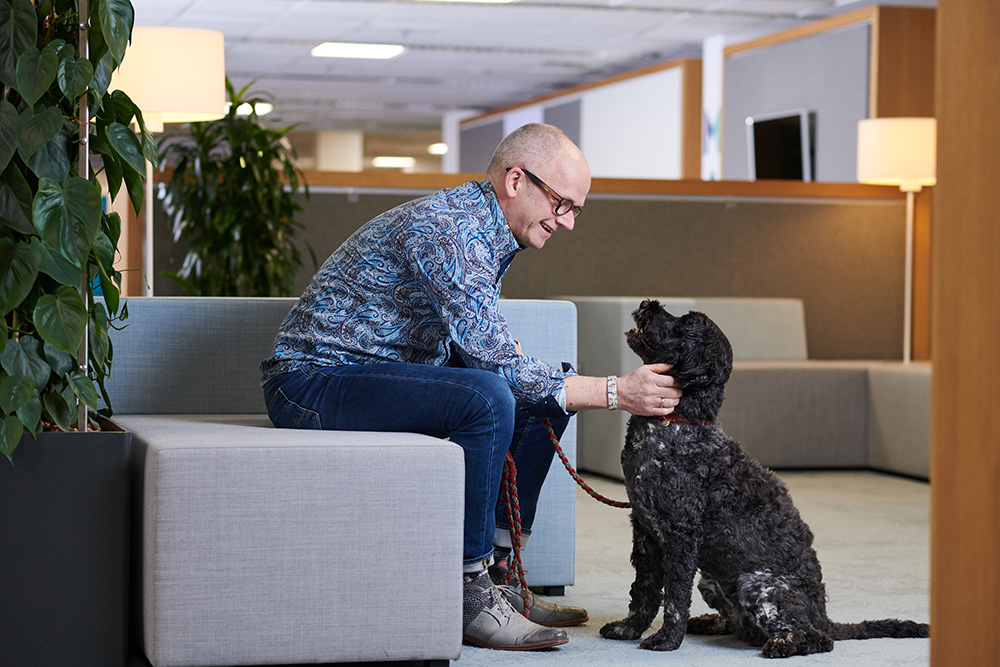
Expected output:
{"points": [[671, 418]]}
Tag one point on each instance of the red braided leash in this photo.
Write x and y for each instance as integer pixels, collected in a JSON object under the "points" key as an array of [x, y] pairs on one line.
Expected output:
{"points": [[508, 487], [575, 475]]}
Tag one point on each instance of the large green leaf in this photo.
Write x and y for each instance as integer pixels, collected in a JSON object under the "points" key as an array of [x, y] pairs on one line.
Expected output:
{"points": [[36, 70], [52, 160], [84, 389], [11, 430], [100, 342], [35, 129], [61, 362], [102, 76], [53, 264], [30, 414], [61, 319], [112, 165], [12, 212], [125, 112], [17, 33], [116, 18], [21, 357], [15, 391], [68, 218], [123, 141], [8, 132], [61, 407], [104, 250], [18, 270], [135, 185], [74, 76]]}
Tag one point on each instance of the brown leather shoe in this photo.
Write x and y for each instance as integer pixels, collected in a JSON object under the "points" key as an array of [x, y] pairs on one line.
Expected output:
{"points": [[543, 612]]}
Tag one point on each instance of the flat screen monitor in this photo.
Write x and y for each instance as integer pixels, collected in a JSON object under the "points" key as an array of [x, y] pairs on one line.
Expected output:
{"points": [[779, 145]]}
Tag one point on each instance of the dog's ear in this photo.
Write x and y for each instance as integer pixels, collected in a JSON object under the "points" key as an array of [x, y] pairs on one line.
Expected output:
{"points": [[706, 357]]}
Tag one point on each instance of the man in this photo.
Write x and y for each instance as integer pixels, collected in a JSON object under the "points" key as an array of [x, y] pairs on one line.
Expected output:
{"points": [[400, 331]]}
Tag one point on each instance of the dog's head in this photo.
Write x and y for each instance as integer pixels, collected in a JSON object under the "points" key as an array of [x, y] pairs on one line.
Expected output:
{"points": [[700, 353]]}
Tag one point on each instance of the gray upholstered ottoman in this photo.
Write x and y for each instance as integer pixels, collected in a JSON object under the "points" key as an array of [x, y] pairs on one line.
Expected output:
{"points": [[270, 546]]}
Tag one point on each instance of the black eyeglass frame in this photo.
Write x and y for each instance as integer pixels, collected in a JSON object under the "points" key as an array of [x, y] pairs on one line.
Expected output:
{"points": [[563, 205]]}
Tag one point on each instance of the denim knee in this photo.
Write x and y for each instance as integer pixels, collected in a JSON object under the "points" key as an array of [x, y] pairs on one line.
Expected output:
{"points": [[499, 400]]}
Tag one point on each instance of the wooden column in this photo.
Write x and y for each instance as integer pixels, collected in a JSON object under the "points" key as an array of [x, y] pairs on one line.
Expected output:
{"points": [[965, 279]]}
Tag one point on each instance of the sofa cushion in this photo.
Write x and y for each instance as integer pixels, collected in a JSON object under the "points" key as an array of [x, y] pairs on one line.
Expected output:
{"points": [[799, 414], [899, 417], [194, 355]]}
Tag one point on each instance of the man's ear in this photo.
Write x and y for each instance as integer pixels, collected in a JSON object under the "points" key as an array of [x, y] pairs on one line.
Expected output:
{"points": [[513, 181]]}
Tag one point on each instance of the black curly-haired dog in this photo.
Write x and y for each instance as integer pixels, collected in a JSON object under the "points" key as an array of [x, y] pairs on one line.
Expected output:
{"points": [[700, 502]]}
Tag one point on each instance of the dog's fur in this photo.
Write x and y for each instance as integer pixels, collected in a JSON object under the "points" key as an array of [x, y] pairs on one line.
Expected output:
{"points": [[700, 502]]}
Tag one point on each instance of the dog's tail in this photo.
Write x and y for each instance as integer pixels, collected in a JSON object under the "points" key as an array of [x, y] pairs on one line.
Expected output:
{"points": [[889, 627]]}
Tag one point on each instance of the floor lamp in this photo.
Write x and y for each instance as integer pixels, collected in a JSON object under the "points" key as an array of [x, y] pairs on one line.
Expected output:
{"points": [[900, 152], [174, 75]]}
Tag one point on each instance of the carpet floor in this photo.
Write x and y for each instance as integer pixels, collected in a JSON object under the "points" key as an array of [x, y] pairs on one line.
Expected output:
{"points": [[872, 536], [873, 539]]}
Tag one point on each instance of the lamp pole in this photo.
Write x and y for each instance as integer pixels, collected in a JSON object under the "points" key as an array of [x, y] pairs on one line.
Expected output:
{"points": [[83, 167], [908, 281]]}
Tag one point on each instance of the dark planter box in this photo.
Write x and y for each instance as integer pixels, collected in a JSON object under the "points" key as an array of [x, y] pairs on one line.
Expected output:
{"points": [[64, 537]]}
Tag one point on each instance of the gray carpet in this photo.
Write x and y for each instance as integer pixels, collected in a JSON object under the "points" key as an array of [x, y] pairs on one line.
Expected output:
{"points": [[872, 537]]}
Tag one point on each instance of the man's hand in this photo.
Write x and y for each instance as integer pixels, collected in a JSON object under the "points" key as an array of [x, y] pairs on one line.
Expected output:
{"points": [[646, 392]]}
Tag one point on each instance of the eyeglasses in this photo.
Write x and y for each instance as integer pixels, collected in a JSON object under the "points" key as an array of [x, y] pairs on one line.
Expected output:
{"points": [[563, 205]]}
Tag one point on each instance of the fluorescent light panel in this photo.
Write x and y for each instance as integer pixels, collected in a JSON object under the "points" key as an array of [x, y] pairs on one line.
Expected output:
{"points": [[357, 50], [393, 162]]}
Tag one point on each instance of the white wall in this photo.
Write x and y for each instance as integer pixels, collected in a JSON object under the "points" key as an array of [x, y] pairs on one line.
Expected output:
{"points": [[632, 129], [628, 129]]}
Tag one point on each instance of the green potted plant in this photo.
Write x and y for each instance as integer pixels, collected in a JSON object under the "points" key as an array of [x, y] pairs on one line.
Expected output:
{"points": [[231, 201], [64, 489]]}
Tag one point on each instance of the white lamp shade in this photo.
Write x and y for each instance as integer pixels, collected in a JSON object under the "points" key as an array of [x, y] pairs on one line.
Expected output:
{"points": [[174, 75], [898, 151]]}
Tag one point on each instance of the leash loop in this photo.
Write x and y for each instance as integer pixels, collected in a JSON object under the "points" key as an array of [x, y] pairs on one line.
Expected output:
{"points": [[575, 475], [508, 488]]}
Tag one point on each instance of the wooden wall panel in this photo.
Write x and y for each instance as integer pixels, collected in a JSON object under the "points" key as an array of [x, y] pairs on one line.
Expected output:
{"points": [[691, 119], [965, 275], [902, 62]]}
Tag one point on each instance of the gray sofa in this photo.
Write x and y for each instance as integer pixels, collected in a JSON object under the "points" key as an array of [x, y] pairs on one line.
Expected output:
{"points": [[257, 545], [787, 410]]}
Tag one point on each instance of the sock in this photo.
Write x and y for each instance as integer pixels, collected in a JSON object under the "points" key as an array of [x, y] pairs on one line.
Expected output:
{"points": [[501, 565]]}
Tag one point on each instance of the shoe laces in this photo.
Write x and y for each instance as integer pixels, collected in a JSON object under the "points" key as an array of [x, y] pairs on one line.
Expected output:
{"points": [[499, 601]]}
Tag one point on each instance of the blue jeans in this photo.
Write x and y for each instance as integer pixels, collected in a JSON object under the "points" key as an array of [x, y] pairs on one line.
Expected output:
{"points": [[473, 408]]}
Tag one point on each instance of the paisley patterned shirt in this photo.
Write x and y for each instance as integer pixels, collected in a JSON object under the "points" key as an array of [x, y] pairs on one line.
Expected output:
{"points": [[418, 284]]}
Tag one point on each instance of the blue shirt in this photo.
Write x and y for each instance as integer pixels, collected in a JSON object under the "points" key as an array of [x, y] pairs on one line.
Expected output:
{"points": [[409, 283]]}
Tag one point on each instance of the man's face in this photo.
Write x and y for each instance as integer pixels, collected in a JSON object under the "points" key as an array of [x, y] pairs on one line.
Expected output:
{"points": [[533, 217]]}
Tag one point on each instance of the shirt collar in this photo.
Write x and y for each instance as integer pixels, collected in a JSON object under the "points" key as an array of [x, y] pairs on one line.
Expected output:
{"points": [[507, 245]]}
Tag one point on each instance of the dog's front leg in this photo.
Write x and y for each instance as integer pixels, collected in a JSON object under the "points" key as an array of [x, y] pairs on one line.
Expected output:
{"points": [[679, 566], [647, 559]]}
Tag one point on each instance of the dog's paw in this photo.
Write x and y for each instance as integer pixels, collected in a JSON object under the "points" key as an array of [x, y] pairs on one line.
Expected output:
{"points": [[781, 646], [707, 624], [789, 643], [661, 641], [623, 629]]}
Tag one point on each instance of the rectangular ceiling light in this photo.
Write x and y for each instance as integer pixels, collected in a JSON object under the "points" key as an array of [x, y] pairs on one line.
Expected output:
{"points": [[353, 50], [393, 162]]}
